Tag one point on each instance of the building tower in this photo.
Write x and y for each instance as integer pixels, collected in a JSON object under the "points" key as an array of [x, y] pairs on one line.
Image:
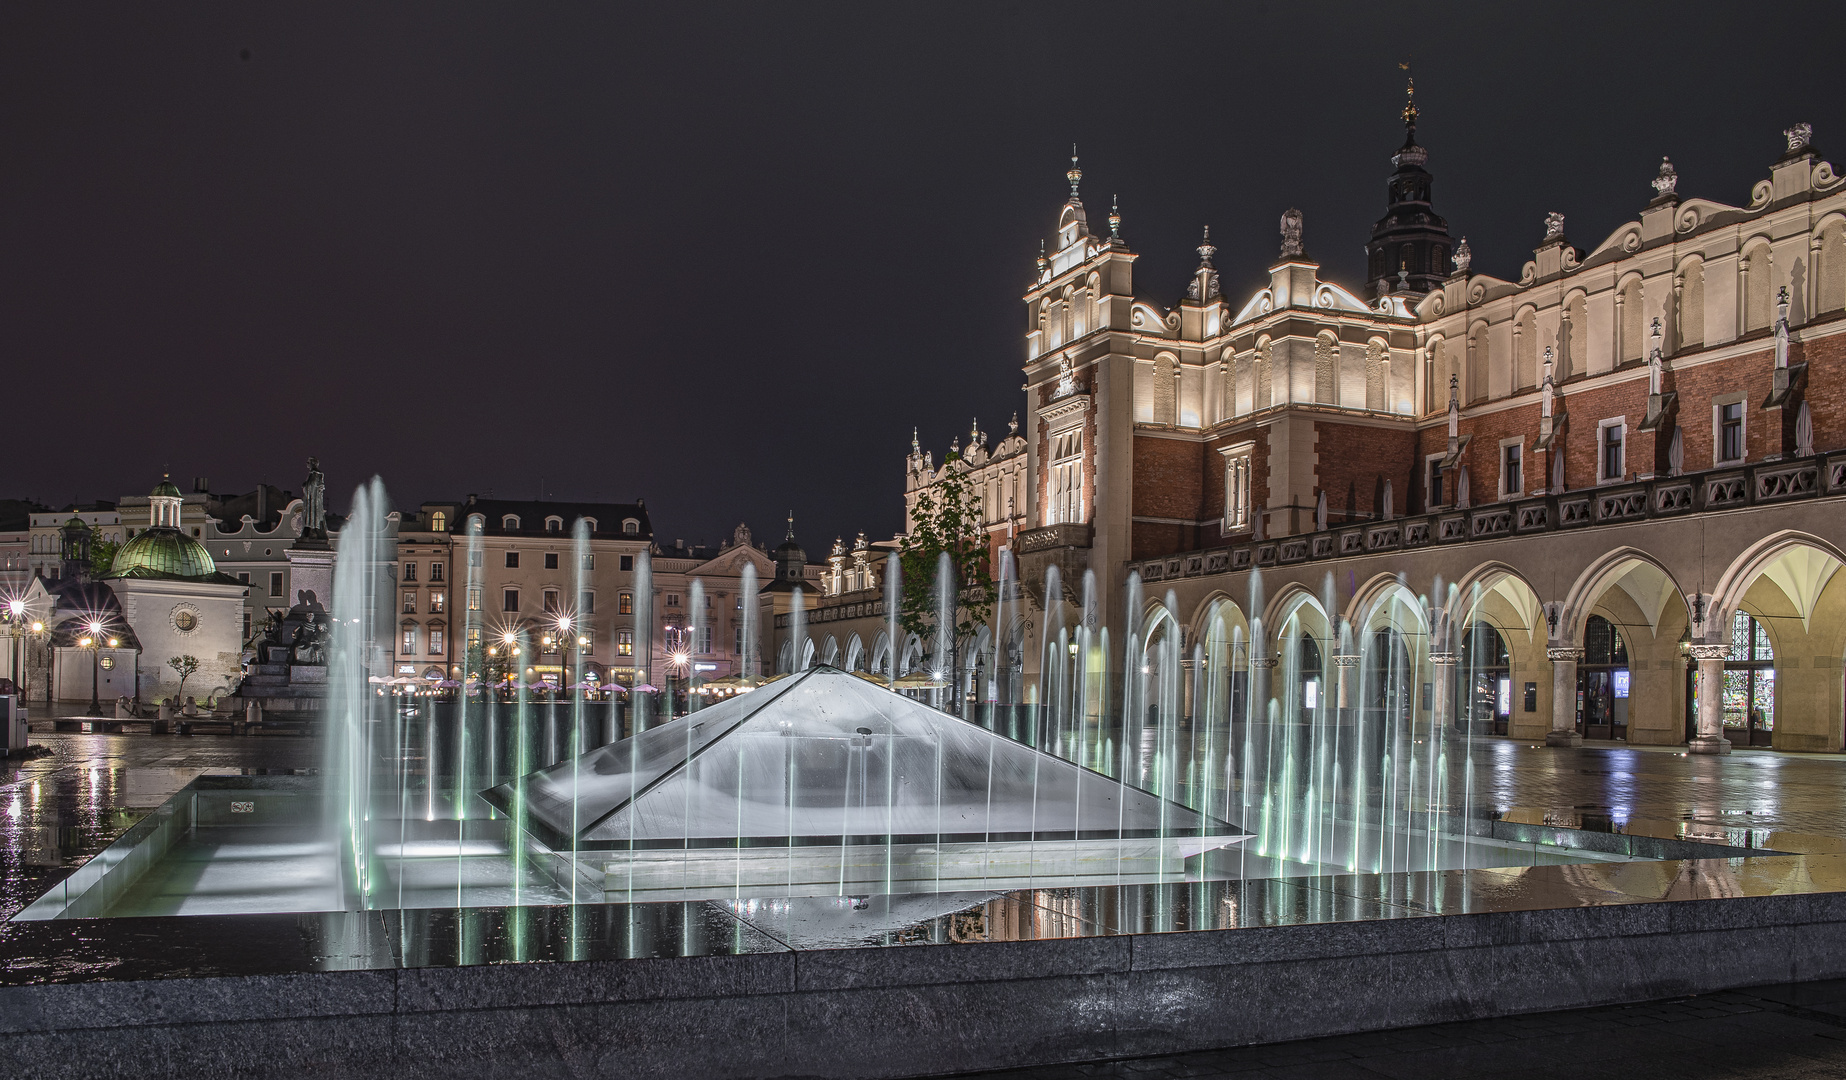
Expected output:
{"points": [[1409, 249]]}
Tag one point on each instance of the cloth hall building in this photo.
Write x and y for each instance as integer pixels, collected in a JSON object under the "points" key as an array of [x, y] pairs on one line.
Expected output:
{"points": [[1610, 490]]}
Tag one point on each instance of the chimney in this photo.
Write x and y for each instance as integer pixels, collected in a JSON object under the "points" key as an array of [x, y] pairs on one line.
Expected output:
{"points": [[201, 484]]}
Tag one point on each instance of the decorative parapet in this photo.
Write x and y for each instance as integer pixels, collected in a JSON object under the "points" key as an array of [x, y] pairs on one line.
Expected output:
{"points": [[1712, 491], [1568, 655]]}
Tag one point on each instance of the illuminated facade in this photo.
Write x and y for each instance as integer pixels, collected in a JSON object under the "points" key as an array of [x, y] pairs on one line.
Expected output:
{"points": [[1580, 481]]}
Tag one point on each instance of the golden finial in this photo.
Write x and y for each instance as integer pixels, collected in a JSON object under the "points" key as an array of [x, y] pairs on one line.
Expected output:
{"points": [[1410, 95]]}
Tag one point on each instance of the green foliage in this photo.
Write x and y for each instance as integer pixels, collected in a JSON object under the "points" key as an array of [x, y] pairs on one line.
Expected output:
{"points": [[187, 665], [102, 556], [947, 519]]}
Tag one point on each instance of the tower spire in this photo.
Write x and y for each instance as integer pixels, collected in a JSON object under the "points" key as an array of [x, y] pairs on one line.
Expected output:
{"points": [[1075, 174], [1115, 218], [791, 526], [1410, 102]]}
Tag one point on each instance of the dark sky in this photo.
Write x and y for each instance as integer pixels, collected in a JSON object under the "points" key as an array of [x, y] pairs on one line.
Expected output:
{"points": [[723, 257]]}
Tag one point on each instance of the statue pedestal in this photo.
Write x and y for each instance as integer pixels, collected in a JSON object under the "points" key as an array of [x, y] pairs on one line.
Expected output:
{"points": [[311, 570]]}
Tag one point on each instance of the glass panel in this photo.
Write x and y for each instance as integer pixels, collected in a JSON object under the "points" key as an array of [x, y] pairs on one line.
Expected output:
{"points": [[1760, 643], [1763, 700], [1735, 698], [1740, 637]]}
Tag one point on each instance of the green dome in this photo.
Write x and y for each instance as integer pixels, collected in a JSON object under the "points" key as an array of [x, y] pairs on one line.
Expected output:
{"points": [[165, 487], [164, 553]]}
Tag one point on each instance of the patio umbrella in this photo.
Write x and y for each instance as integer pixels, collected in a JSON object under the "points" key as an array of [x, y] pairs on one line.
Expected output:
{"points": [[920, 680], [646, 689]]}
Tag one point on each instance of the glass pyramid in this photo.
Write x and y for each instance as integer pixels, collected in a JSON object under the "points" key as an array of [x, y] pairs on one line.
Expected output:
{"points": [[847, 772]]}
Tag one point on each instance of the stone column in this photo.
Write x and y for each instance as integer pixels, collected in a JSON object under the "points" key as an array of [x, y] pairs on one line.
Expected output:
{"points": [[1442, 708], [1262, 676], [1710, 739], [1563, 697], [1346, 670]]}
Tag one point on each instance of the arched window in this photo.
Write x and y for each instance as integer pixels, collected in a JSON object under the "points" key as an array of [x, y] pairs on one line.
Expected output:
{"points": [[1525, 351], [1264, 358], [1634, 343], [1758, 274], [1832, 269], [589, 523], [1474, 385], [1377, 377], [1748, 696], [1326, 364], [554, 524], [510, 521], [1308, 672], [630, 527], [1692, 305], [438, 521], [1386, 676], [476, 523], [1577, 316], [1165, 387]]}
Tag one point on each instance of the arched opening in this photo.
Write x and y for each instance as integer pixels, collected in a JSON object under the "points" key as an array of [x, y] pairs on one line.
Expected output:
{"points": [[1748, 692], [1487, 671], [1603, 682]]}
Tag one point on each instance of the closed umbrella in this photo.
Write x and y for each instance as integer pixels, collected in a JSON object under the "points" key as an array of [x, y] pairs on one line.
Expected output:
{"points": [[1320, 513], [1387, 501], [1461, 489]]}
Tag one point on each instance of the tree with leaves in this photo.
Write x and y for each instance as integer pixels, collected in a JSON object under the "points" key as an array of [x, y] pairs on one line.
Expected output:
{"points": [[102, 556], [947, 521], [187, 665]]}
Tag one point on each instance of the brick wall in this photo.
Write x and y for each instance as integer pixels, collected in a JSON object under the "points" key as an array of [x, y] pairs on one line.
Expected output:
{"points": [[1169, 476], [1354, 463]]}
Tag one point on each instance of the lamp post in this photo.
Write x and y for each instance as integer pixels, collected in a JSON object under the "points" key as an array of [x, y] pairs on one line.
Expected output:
{"points": [[95, 643], [15, 614]]}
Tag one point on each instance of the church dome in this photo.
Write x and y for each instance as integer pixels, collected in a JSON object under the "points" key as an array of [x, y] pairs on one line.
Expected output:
{"points": [[165, 553], [165, 489]]}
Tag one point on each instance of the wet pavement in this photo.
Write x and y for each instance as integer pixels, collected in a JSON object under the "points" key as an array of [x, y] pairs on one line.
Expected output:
{"points": [[1778, 1031]]}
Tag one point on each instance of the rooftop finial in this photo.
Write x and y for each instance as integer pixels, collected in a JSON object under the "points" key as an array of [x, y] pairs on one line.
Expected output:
{"points": [[1206, 249], [1410, 97], [791, 526], [1291, 234], [1115, 219], [1041, 257], [1012, 426], [1075, 174], [915, 446], [1667, 181]]}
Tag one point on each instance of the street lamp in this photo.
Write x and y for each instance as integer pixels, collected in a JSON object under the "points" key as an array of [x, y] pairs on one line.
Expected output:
{"points": [[95, 643]]}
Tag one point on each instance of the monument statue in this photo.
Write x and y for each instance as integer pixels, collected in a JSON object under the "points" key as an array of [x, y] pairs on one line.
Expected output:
{"points": [[313, 509]]}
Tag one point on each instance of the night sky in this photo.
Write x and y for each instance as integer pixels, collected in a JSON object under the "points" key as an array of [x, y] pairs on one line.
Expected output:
{"points": [[725, 257]]}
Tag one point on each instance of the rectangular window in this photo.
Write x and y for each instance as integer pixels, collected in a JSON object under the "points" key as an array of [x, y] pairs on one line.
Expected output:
{"points": [[625, 604], [243, 577], [435, 602], [1237, 487], [410, 571], [672, 599], [246, 624], [410, 601], [435, 641], [511, 600], [1612, 464], [624, 642], [704, 642], [586, 603], [275, 583], [551, 601], [512, 560], [1432, 480], [410, 640], [474, 638], [589, 562], [628, 562], [551, 560], [1512, 478], [476, 557], [586, 641], [474, 598], [737, 640], [435, 571], [1066, 478], [1730, 431]]}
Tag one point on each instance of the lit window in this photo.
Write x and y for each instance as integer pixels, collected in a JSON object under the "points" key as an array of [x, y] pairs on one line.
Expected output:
{"points": [[625, 604], [624, 642], [410, 601], [438, 522], [410, 639], [435, 602], [474, 638], [474, 598], [589, 562], [435, 641], [586, 641]]}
